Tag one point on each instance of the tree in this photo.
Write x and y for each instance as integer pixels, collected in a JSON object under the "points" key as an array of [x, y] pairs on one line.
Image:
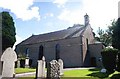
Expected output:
{"points": [[103, 37], [106, 36], [8, 31], [109, 32], [116, 35], [116, 41]]}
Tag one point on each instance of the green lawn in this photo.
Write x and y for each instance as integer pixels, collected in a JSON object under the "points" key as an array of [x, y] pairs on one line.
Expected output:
{"points": [[26, 78], [88, 74], [78, 74], [24, 70]]}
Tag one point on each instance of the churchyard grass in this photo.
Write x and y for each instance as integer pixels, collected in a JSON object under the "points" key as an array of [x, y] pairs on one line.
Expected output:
{"points": [[26, 78], [83, 74], [77, 73], [24, 70], [80, 73], [87, 74]]}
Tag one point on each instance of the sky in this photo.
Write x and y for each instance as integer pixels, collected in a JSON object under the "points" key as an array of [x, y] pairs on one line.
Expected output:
{"points": [[43, 16]]}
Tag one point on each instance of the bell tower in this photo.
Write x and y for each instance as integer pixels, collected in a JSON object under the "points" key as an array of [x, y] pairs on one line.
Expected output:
{"points": [[86, 20]]}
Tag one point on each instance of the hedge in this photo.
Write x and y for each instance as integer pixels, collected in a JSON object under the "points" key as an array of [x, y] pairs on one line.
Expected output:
{"points": [[109, 59]]}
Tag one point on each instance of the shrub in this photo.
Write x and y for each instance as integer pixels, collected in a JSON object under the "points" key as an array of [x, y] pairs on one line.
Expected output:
{"points": [[109, 59]]}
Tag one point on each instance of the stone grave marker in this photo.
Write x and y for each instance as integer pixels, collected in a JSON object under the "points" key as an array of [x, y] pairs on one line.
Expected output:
{"points": [[8, 57], [27, 62], [53, 70], [41, 68], [18, 63], [103, 70], [61, 66]]}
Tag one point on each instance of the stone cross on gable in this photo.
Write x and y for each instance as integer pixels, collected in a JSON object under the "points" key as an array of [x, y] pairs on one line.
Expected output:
{"points": [[8, 57]]}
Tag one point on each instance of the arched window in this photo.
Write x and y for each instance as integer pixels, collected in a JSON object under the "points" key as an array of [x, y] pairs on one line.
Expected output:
{"points": [[57, 50], [40, 55], [27, 52]]}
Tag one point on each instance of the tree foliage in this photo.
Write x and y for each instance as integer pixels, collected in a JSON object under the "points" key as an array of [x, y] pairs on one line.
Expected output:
{"points": [[8, 31], [105, 36], [116, 35]]}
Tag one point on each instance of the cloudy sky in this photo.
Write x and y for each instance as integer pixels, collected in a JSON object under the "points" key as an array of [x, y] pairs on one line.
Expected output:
{"points": [[43, 16]]}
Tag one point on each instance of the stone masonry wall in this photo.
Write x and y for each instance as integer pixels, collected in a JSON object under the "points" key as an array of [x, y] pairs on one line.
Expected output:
{"points": [[70, 51]]}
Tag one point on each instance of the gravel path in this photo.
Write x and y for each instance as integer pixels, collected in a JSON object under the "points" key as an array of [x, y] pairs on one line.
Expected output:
{"points": [[31, 74]]}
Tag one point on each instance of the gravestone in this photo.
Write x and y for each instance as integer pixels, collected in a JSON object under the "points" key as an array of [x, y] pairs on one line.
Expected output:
{"points": [[53, 70], [61, 66], [103, 70], [8, 57], [41, 68], [27, 62], [18, 63]]}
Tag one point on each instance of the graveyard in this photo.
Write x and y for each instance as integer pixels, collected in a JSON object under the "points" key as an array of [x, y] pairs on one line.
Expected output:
{"points": [[74, 52], [81, 73], [54, 69], [15, 67]]}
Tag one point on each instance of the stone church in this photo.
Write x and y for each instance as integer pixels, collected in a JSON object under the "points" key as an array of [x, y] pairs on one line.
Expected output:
{"points": [[75, 45]]}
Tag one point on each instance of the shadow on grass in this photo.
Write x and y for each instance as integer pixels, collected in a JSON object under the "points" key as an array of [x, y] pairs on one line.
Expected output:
{"points": [[96, 69], [115, 76], [98, 74], [77, 78]]}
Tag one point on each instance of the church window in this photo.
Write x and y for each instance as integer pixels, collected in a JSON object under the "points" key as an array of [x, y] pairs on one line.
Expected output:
{"points": [[57, 50], [27, 52], [41, 50]]}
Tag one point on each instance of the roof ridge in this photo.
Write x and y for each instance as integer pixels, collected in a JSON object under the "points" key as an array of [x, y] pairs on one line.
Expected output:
{"points": [[74, 32], [51, 32], [61, 34]]}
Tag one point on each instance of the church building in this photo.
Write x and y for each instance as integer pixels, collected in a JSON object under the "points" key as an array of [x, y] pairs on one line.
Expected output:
{"points": [[75, 45]]}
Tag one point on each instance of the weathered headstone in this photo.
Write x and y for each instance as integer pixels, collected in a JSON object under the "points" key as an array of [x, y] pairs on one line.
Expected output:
{"points": [[40, 55], [103, 70], [61, 66], [41, 68], [27, 62], [53, 70], [8, 57], [18, 63]]}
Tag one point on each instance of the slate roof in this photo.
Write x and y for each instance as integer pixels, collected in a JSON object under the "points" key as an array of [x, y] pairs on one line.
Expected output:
{"points": [[70, 32]]}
